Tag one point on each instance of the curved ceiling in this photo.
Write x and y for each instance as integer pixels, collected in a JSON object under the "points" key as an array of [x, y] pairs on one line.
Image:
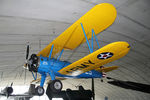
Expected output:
{"points": [[39, 22]]}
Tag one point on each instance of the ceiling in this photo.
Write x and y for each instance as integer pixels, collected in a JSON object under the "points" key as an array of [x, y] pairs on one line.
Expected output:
{"points": [[39, 22]]}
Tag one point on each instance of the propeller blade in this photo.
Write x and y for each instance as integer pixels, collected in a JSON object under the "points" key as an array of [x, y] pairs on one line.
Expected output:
{"points": [[27, 52], [11, 84], [25, 71], [93, 90]]}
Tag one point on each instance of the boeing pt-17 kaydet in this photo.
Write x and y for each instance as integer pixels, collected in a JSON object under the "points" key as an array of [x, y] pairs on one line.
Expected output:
{"points": [[87, 27]]}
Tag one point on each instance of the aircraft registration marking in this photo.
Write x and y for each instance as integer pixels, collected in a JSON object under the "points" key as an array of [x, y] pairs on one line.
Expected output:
{"points": [[81, 66], [45, 63]]}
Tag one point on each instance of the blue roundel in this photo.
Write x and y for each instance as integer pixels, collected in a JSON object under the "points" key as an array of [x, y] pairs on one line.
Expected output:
{"points": [[105, 55]]}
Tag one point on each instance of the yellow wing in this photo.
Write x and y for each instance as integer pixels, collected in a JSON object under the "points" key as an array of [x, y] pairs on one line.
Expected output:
{"points": [[96, 59], [98, 18]]}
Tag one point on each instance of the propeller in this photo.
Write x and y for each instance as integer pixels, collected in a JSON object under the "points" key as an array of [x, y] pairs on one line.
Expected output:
{"points": [[26, 62], [27, 56], [31, 63], [27, 52], [8, 90], [11, 84], [93, 90]]}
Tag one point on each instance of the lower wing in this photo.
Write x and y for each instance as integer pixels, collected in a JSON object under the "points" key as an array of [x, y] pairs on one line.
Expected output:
{"points": [[96, 59]]}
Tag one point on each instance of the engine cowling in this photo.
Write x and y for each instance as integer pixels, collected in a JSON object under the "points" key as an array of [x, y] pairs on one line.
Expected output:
{"points": [[33, 63]]}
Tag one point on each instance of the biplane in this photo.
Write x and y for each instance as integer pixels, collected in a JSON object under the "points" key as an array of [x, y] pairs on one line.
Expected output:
{"points": [[87, 27]]}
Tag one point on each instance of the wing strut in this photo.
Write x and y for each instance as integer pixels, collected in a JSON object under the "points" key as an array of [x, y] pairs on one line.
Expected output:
{"points": [[50, 54], [93, 33], [91, 48], [34, 76], [60, 54]]}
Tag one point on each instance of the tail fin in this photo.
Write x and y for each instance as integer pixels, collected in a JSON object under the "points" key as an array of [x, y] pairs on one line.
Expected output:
{"points": [[106, 69]]}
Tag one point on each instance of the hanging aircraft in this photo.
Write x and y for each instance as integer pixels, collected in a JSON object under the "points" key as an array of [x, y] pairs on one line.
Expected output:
{"points": [[8, 92], [87, 27]]}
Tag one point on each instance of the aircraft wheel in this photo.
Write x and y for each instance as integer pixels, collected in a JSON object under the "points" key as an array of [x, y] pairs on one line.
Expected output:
{"points": [[56, 85], [39, 90]]}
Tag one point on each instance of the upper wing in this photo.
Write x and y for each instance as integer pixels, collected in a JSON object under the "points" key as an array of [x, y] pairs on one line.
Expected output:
{"points": [[98, 18], [96, 59]]}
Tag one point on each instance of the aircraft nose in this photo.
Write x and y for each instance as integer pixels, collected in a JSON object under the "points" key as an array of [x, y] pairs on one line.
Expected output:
{"points": [[9, 90]]}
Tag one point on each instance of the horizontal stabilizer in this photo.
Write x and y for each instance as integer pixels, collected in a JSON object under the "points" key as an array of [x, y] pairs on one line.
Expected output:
{"points": [[106, 69]]}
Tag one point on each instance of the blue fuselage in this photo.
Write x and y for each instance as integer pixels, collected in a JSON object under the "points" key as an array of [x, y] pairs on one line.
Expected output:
{"points": [[47, 65]]}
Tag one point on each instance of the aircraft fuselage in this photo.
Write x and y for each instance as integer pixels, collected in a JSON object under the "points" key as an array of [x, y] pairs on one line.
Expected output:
{"points": [[47, 65]]}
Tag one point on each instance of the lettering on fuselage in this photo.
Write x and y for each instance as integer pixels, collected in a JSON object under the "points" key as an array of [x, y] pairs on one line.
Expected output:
{"points": [[81, 66], [45, 63]]}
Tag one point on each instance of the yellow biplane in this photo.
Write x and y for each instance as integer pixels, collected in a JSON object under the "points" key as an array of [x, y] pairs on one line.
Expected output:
{"points": [[87, 27]]}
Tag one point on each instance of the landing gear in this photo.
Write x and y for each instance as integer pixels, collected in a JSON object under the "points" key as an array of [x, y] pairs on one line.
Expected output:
{"points": [[39, 90], [55, 85]]}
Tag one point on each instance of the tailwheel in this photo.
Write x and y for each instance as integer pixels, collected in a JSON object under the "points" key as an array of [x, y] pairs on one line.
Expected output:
{"points": [[56, 85], [39, 90]]}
